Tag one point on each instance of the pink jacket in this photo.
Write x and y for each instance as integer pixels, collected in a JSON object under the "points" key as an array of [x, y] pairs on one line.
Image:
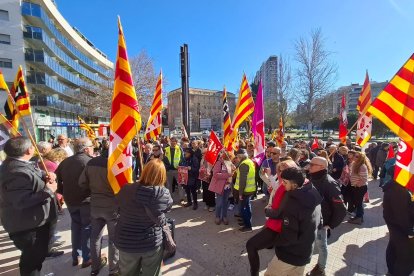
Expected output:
{"points": [[220, 176]]}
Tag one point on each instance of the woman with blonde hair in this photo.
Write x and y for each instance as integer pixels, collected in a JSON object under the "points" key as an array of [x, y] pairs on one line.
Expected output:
{"points": [[142, 208], [53, 159], [360, 171]]}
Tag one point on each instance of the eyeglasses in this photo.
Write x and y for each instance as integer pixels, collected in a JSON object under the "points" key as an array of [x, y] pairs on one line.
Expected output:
{"points": [[275, 153], [314, 164]]}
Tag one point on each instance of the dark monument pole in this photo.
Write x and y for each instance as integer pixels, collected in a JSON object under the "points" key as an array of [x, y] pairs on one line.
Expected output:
{"points": [[185, 89]]}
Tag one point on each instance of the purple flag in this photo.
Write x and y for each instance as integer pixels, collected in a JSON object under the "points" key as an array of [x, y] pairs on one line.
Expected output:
{"points": [[258, 127]]}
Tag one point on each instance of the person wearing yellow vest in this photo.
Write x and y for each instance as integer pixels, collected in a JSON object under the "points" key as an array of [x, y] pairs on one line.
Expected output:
{"points": [[174, 155], [246, 187]]}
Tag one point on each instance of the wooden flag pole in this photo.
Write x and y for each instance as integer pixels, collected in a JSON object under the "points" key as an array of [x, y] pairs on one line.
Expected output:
{"points": [[26, 128]]}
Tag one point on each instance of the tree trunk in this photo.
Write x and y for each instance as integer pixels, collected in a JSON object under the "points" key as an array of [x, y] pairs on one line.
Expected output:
{"points": [[309, 129]]}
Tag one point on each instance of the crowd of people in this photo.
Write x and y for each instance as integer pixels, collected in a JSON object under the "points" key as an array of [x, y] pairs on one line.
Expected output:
{"points": [[310, 189]]}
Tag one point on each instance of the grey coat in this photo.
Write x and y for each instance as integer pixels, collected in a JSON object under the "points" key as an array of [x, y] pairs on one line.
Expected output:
{"points": [[25, 201]]}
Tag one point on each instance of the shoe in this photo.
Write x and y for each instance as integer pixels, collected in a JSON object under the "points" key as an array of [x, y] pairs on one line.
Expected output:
{"points": [[104, 261], [231, 207], [188, 204], [245, 229], [316, 271], [356, 220], [225, 221], [217, 221], [241, 223], [58, 244], [86, 264], [211, 209], [54, 253], [195, 206], [237, 216]]}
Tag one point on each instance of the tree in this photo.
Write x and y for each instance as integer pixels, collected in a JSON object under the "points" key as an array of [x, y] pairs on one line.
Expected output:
{"points": [[315, 74], [283, 84]]}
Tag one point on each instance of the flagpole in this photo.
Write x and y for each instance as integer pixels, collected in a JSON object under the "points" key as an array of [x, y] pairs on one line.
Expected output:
{"points": [[141, 163], [26, 128]]}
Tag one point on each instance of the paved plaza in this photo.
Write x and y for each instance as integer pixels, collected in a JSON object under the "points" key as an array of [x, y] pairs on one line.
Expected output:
{"points": [[207, 249]]}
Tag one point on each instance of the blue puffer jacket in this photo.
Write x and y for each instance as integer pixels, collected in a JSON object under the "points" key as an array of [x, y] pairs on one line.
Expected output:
{"points": [[141, 214]]}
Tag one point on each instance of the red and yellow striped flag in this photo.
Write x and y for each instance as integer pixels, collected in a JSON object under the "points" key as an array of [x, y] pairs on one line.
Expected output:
{"points": [[154, 122], [364, 125], [244, 107], [89, 131], [280, 136], [125, 120], [226, 122], [20, 97], [394, 106]]}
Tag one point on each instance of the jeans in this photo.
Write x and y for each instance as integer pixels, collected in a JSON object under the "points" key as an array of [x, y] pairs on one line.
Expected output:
{"points": [[222, 203], [357, 200], [81, 230], [322, 244], [246, 211], [145, 264], [264, 239], [100, 218], [34, 244]]}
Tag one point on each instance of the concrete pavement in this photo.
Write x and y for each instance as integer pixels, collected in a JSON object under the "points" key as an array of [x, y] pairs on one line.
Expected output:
{"points": [[207, 249]]}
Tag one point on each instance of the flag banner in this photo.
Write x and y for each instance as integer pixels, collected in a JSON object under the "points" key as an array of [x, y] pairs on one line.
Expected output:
{"points": [[213, 150], [315, 144], [258, 127], [391, 153], [280, 134], [364, 125], [153, 128], [182, 175], [89, 131], [394, 106], [21, 98], [125, 119], [343, 121], [244, 107], [404, 166], [226, 123], [7, 131]]}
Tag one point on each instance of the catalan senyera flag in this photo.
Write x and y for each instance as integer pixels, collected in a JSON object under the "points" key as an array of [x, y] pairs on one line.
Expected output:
{"points": [[364, 125], [404, 166], [394, 106], [21, 98], [343, 121], [125, 119], [244, 107], [280, 134], [154, 122], [226, 122], [89, 131], [7, 131]]}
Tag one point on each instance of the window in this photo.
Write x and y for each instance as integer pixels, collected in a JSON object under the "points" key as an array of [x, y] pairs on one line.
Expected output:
{"points": [[4, 39], [5, 63], [4, 15]]}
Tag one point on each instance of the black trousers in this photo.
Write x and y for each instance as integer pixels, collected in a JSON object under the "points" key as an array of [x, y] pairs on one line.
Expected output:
{"points": [[357, 194], [191, 190], [400, 254], [34, 245], [346, 192], [209, 198], [264, 239]]}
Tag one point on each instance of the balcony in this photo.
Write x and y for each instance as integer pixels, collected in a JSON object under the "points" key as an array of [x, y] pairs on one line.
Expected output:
{"points": [[36, 11]]}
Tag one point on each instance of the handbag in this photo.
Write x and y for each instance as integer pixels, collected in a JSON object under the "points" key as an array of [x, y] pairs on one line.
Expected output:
{"points": [[168, 242]]}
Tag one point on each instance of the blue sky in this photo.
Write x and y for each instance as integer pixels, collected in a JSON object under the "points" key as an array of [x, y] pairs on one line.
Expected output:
{"points": [[229, 37]]}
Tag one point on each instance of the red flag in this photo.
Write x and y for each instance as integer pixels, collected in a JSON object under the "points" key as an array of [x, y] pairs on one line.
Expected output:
{"points": [[343, 121], [391, 153], [404, 166], [315, 144], [214, 148]]}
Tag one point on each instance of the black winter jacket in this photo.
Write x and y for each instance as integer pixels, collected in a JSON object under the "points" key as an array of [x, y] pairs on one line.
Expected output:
{"points": [[25, 202], [68, 174], [136, 231], [195, 168], [398, 209], [300, 211], [333, 208]]}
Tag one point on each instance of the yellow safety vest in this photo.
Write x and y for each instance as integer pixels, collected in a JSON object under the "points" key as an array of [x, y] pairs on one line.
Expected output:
{"points": [[177, 155], [251, 177]]}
